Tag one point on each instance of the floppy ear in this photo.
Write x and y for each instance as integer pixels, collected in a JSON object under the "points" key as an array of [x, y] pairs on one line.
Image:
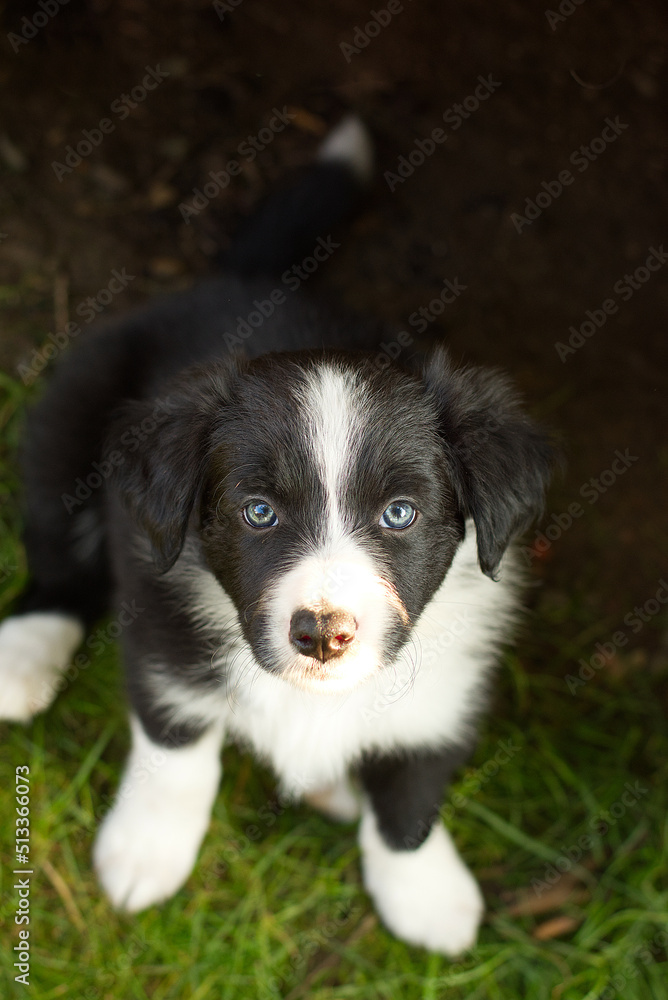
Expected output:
{"points": [[499, 459], [163, 444]]}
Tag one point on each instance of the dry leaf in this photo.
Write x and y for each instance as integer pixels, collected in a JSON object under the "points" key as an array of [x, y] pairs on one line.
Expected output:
{"points": [[554, 928], [566, 890], [305, 121]]}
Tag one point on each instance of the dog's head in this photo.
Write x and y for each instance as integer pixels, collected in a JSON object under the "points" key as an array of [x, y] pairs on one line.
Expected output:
{"points": [[330, 497]]}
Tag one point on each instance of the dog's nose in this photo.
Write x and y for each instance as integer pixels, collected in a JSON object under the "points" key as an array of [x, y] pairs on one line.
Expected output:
{"points": [[322, 635]]}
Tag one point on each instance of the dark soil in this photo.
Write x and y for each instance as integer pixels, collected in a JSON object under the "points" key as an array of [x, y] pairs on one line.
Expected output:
{"points": [[453, 218]]}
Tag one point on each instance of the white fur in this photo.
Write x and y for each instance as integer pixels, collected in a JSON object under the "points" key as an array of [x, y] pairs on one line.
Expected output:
{"points": [[351, 144], [35, 650], [427, 896], [421, 700], [148, 842], [313, 733], [339, 802], [332, 403], [338, 575], [310, 739]]}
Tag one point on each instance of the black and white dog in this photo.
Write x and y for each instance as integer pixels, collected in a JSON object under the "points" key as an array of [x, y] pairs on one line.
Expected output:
{"points": [[317, 548]]}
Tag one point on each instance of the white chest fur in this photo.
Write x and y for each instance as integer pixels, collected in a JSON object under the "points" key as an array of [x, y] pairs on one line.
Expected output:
{"points": [[426, 698]]}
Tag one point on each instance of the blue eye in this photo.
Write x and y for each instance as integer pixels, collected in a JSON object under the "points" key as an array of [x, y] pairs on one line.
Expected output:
{"points": [[398, 515], [259, 515]]}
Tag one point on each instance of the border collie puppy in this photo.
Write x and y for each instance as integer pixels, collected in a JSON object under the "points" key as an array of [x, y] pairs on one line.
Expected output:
{"points": [[315, 549]]}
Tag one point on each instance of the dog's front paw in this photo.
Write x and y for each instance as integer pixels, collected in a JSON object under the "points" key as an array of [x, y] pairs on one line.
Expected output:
{"points": [[148, 842], [35, 649], [144, 851], [426, 897]]}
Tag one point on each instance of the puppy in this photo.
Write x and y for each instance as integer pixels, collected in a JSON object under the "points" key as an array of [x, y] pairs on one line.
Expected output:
{"points": [[312, 554]]}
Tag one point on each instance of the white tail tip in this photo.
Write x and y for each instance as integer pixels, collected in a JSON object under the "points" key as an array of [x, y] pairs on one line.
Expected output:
{"points": [[350, 143]]}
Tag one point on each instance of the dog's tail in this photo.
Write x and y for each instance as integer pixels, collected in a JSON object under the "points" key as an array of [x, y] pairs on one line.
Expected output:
{"points": [[286, 227]]}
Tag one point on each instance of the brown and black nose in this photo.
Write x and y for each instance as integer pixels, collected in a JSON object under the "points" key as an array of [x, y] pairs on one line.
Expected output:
{"points": [[322, 635]]}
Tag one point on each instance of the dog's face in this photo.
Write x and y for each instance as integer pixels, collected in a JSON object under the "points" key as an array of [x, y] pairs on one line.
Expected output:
{"points": [[328, 515], [330, 497]]}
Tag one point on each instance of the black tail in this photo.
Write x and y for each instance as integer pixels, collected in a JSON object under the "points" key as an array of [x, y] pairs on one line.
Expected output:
{"points": [[285, 228]]}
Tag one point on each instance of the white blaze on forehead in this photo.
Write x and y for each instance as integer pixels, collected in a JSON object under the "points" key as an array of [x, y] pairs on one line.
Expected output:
{"points": [[333, 406], [338, 573]]}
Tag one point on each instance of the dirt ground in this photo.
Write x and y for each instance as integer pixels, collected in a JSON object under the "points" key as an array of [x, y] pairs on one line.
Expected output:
{"points": [[591, 74]]}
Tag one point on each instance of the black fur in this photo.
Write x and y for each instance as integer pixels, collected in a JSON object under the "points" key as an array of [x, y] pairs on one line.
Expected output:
{"points": [[499, 460], [406, 790], [281, 232], [182, 432]]}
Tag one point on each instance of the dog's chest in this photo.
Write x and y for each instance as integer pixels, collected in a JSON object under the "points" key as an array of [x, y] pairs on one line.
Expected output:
{"points": [[427, 698]]}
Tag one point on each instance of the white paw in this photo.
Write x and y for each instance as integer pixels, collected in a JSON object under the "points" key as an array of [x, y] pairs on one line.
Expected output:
{"points": [[35, 650], [144, 852], [339, 801], [148, 842], [426, 897]]}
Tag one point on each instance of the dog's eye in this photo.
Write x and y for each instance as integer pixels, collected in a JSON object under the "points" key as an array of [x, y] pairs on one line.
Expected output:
{"points": [[259, 515], [398, 515]]}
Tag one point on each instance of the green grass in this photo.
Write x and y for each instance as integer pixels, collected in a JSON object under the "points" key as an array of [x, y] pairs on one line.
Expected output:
{"points": [[275, 906]]}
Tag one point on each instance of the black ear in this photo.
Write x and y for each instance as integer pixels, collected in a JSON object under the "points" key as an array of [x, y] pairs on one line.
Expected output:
{"points": [[499, 459], [160, 448]]}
